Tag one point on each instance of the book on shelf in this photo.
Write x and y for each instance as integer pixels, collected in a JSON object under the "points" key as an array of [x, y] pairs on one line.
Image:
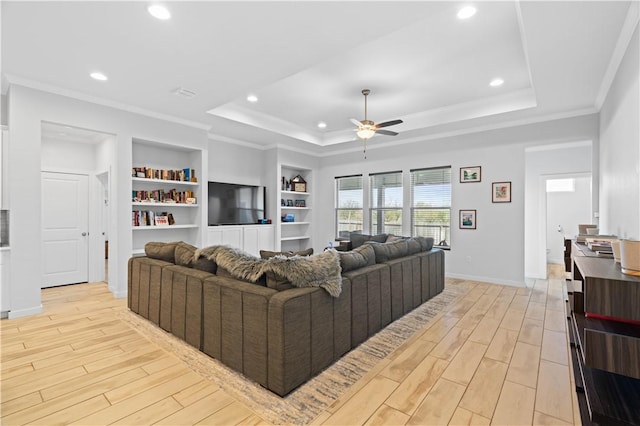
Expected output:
{"points": [[171, 196], [182, 175], [151, 218]]}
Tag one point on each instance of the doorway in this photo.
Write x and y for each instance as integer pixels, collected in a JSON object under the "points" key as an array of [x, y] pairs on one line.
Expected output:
{"points": [[568, 204], [82, 210]]}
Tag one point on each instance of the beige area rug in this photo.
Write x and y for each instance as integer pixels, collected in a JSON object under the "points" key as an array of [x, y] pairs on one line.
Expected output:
{"points": [[306, 402]]}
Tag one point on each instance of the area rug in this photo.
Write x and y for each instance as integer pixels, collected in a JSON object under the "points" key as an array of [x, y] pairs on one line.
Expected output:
{"points": [[306, 402]]}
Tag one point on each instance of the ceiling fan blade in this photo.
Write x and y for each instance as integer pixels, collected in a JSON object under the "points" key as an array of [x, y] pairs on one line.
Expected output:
{"points": [[388, 123], [356, 122], [386, 132]]}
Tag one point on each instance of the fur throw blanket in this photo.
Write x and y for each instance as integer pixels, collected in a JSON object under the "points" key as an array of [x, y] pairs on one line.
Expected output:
{"points": [[320, 270]]}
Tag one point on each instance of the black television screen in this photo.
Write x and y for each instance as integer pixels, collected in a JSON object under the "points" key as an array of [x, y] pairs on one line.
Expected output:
{"points": [[234, 204]]}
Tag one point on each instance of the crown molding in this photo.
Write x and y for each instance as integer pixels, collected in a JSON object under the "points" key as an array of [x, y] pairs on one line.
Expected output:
{"points": [[19, 81], [629, 26], [469, 130]]}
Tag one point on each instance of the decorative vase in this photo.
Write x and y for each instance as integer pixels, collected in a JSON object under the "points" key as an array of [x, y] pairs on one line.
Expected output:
{"points": [[630, 257], [615, 247]]}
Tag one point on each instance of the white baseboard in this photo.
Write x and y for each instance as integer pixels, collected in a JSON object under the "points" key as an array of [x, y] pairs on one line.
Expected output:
{"points": [[489, 280], [19, 313], [119, 294]]}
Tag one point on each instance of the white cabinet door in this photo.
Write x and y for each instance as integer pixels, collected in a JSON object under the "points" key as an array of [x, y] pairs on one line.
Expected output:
{"points": [[65, 228], [250, 240], [266, 237]]}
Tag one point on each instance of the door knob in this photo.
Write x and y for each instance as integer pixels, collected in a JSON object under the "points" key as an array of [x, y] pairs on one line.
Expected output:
{"points": [[84, 234]]}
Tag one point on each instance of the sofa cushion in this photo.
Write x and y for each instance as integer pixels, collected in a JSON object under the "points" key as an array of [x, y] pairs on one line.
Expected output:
{"points": [[357, 239], [160, 251], [357, 258], [185, 256], [274, 280], [388, 251]]}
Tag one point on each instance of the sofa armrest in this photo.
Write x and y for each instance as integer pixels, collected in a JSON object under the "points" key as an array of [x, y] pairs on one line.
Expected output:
{"points": [[143, 286], [308, 330], [235, 324]]}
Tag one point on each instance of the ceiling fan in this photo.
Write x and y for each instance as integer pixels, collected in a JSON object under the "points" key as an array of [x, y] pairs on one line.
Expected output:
{"points": [[367, 129]]}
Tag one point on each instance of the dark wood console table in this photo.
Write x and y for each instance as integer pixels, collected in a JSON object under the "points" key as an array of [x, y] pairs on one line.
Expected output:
{"points": [[605, 352]]}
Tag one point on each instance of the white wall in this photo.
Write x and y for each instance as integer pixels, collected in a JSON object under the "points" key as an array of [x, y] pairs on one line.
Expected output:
{"points": [[494, 251], [620, 149], [232, 163], [61, 155], [565, 210], [28, 109]]}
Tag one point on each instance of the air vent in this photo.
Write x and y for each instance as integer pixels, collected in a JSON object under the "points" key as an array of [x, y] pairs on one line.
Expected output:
{"points": [[185, 93]]}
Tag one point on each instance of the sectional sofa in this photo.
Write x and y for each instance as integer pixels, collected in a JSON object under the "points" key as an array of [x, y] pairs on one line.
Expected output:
{"points": [[272, 332]]}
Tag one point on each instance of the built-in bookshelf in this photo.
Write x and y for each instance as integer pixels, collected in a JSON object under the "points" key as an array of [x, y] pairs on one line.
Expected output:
{"points": [[295, 210], [165, 194]]}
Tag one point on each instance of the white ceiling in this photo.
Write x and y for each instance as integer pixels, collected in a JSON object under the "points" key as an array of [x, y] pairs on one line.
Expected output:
{"points": [[308, 62]]}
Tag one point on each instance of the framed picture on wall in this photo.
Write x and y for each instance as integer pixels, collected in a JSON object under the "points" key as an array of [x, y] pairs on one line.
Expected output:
{"points": [[501, 192], [470, 174], [467, 219]]}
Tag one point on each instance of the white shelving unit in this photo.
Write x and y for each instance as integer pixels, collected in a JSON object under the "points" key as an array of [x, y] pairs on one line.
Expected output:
{"points": [[188, 217], [295, 235]]}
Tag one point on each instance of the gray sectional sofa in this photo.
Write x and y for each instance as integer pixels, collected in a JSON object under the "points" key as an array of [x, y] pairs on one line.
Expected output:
{"points": [[275, 334]]}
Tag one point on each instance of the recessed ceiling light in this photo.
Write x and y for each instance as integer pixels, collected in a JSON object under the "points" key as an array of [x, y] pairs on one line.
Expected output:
{"points": [[98, 76], [185, 93], [159, 12], [252, 98], [322, 125], [496, 82], [466, 12]]}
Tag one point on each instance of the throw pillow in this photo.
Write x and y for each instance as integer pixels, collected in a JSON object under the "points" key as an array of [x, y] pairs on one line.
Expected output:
{"points": [[274, 280], [161, 251], [380, 238], [357, 258], [185, 256], [358, 239], [425, 242], [413, 246]]}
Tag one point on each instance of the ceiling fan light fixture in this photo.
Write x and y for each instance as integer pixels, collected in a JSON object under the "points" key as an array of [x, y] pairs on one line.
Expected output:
{"points": [[466, 12], [365, 132]]}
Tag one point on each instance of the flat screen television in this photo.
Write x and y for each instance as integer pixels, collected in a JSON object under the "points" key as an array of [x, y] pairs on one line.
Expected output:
{"points": [[235, 204]]}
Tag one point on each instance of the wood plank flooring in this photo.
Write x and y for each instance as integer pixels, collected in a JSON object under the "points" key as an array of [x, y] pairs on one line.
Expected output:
{"points": [[498, 355]]}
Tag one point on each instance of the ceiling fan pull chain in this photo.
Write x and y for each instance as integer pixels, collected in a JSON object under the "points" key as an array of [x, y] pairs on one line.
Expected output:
{"points": [[365, 149]]}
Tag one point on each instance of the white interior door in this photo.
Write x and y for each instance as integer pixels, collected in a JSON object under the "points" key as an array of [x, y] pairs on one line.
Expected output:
{"points": [[65, 228]]}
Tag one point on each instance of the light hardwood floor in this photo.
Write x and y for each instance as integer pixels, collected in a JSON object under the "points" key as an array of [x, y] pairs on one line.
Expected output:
{"points": [[498, 355]]}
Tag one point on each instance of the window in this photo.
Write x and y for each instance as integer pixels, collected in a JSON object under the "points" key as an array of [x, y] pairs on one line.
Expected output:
{"points": [[386, 203], [431, 204], [561, 185], [348, 206]]}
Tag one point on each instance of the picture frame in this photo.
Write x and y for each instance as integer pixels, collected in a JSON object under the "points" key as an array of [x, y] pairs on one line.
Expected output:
{"points": [[467, 219], [470, 174], [289, 202], [501, 192], [300, 203]]}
